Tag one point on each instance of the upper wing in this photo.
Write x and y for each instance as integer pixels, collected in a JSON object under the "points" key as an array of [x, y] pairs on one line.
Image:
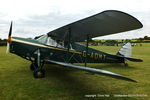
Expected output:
{"points": [[93, 70], [104, 23]]}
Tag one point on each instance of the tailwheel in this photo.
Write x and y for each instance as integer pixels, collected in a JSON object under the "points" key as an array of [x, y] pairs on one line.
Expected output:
{"points": [[126, 64], [39, 73]]}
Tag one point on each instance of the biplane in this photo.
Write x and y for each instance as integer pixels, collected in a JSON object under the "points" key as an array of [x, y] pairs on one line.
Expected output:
{"points": [[62, 46]]}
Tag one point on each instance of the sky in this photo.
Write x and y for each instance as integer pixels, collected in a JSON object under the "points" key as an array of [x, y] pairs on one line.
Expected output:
{"points": [[36, 17]]}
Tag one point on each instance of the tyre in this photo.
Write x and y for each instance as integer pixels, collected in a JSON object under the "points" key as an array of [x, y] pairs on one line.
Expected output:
{"points": [[39, 73]]}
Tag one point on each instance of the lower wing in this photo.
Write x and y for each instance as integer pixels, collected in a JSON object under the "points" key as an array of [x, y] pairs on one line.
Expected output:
{"points": [[93, 70]]}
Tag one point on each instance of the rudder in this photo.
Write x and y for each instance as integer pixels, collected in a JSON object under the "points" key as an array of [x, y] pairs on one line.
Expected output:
{"points": [[126, 50]]}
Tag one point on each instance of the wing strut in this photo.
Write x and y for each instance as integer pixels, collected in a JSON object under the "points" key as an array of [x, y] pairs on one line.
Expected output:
{"points": [[87, 44], [68, 45]]}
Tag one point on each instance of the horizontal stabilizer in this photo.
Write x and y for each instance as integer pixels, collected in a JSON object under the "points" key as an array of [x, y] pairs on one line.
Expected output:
{"points": [[134, 59], [93, 70]]}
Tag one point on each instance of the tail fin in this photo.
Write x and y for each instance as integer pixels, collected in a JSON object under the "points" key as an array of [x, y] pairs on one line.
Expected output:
{"points": [[126, 50]]}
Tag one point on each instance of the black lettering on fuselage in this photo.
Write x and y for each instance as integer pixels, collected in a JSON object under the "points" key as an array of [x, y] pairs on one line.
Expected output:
{"points": [[94, 55]]}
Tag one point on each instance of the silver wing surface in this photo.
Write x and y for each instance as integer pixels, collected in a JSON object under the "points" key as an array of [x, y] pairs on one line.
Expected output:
{"points": [[93, 70]]}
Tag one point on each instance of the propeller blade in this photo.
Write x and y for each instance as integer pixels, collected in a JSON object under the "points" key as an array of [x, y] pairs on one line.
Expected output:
{"points": [[9, 37], [8, 45]]}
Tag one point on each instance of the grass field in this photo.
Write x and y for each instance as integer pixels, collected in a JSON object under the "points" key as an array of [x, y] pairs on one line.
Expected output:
{"points": [[60, 83]]}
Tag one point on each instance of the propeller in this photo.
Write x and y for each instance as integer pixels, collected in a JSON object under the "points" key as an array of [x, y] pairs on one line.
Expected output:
{"points": [[9, 37]]}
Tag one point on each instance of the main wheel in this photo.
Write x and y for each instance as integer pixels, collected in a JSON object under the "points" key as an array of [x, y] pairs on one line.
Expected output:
{"points": [[39, 73]]}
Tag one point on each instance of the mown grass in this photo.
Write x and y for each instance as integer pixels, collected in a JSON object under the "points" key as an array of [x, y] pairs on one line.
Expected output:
{"points": [[61, 83]]}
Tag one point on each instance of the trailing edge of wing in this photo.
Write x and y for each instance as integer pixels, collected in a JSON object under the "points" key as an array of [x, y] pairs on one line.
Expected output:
{"points": [[93, 70], [104, 23]]}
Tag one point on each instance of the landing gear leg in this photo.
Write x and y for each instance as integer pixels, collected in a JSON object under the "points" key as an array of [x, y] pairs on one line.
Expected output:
{"points": [[33, 65], [38, 72]]}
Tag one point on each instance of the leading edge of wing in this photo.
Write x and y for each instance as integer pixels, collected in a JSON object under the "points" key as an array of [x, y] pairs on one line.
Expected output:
{"points": [[93, 70]]}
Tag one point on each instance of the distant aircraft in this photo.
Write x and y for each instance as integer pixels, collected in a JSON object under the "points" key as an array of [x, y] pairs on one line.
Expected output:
{"points": [[60, 45]]}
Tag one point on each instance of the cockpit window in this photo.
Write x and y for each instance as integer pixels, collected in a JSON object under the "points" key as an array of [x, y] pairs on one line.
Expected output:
{"points": [[57, 43], [43, 39], [51, 42]]}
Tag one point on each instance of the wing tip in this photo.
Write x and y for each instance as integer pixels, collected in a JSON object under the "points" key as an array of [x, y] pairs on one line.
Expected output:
{"points": [[131, 80], [140, 25]]}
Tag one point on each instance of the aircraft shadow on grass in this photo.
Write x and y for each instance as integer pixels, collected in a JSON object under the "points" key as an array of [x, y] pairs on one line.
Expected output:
{"points": [[78, 87], [73, 83]]}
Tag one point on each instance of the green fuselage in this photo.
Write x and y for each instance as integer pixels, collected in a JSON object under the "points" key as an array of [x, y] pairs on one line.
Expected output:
{"points": [[27, 48]]}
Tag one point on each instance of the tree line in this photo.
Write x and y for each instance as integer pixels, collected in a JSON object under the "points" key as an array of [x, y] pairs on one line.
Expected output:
{"points": [[3, 42], [145, 39]]}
